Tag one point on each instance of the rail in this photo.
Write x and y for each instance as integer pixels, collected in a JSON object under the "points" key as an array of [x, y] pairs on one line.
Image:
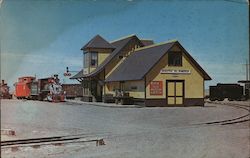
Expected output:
{"points": [[57, 140], [240, 119]]}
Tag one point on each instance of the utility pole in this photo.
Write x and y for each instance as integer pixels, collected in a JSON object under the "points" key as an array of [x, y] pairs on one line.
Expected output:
{"points": [[1, 29], [248, 40], [248, 60], [247, 69]]}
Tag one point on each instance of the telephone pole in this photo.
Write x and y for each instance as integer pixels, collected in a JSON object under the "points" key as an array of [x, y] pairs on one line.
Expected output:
{"points": [[248, 40]]}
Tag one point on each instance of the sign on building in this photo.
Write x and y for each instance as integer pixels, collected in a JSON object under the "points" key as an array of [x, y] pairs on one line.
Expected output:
{"points": [[156, 88], [171, 71]]}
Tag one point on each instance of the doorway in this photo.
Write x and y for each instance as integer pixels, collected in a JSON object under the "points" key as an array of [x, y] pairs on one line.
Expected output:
{"points": [[175, 92]]}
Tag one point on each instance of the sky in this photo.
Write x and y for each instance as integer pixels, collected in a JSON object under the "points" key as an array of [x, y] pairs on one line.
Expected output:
{"points": [[43, 37]]}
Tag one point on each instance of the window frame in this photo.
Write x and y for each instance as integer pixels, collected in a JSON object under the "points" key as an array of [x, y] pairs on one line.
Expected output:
{"points": [[91, 58], [173, 63], [86, 59]]}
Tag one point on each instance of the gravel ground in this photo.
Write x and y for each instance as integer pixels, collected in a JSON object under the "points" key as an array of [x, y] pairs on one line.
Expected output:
{"points": [[128, 132]]}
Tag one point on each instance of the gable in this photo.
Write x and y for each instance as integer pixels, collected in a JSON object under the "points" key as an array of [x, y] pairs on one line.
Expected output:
{"points": [[188, 64], [194, 63], [98, 42]]}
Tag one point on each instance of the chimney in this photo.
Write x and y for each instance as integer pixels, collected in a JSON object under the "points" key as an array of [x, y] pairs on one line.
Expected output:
{"points": [[2, 82]]}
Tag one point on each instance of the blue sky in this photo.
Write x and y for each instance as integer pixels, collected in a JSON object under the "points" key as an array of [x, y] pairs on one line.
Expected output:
{"points": [[43, 37]]}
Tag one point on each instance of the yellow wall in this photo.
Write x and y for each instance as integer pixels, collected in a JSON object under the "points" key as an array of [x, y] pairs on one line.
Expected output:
{"points": [[194, 82], [136, 93], [91, 69], [85, 71], [128, 87], [102, 55], [111, 87], [88, 70]]}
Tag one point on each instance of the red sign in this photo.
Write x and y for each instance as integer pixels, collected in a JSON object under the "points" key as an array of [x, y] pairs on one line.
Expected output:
{"points": [[156, 88]]}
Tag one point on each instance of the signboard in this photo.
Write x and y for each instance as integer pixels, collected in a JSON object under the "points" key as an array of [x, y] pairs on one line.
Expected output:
{"points": [[170, 71], [156, 88]]}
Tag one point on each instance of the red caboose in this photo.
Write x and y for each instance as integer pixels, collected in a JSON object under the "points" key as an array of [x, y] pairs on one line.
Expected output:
{"points": [[23, 87]]}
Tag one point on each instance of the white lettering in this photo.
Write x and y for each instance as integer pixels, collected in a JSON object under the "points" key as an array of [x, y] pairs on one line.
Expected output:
{"points": [[170, 71]]}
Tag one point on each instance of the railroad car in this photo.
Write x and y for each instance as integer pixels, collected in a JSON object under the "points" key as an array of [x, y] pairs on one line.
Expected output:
{"points": [[23, 87], [71, 91], [5, 91], [222, 91], [42, 89]]}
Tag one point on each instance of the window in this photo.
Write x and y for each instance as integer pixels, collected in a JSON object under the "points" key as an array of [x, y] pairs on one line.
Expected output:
{"points": [[133, 87], [94, 59], [86, 59], [174, 59], [90, 59]]}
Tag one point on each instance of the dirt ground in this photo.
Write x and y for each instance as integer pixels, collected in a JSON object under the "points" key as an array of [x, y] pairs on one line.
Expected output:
{"points": [[157, 132]]}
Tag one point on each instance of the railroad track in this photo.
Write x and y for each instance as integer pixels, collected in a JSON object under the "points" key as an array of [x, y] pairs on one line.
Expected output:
{"points": [[57, 140], [240, 119], [246, 107]]}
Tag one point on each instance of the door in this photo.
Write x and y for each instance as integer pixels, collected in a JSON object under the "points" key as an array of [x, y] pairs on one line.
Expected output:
{"points": [[175, 92]]}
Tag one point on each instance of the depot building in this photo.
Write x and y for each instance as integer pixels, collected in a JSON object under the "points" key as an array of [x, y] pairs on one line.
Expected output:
{"points": [[162, 74]]}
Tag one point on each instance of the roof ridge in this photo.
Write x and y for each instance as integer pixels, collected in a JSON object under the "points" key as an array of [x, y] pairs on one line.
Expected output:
{"points": [[105, 40], [121, 38], [97, 42], [157, 44], [92, 40]]}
